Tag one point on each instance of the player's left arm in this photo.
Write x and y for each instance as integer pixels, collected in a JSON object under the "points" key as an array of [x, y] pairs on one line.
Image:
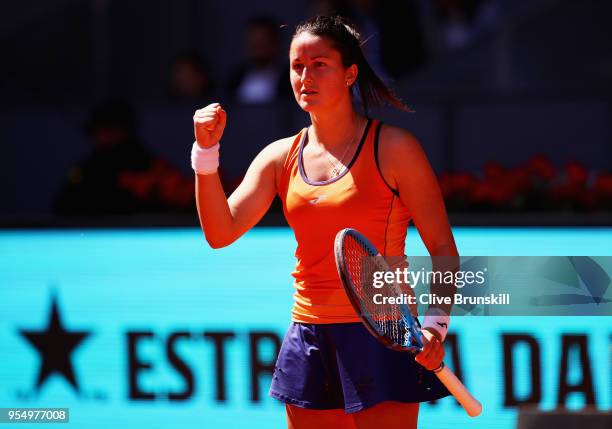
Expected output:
{"points": [[406, 168]]}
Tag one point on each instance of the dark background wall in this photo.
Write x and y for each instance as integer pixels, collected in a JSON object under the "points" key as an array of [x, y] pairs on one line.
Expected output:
{"points": [[537, 80]]}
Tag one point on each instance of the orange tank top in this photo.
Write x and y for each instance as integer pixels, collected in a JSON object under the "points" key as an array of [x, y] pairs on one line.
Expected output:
{"points": [[359, 198]]}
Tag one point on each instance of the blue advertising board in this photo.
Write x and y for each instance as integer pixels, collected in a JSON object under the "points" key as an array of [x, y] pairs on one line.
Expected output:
{"points": [[151, 328]]}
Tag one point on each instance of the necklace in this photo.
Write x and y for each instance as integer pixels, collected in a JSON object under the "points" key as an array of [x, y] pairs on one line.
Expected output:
{"points": [[337, 163]]}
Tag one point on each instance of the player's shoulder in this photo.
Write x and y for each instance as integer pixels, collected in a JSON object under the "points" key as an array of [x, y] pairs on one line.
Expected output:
{"points": [[280, 148], [274, 155], [394, 137], [398, 143], [277, 151]]}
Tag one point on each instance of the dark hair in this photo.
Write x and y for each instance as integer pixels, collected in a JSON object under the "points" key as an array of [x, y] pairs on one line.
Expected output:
{"points": [[347, 41]]}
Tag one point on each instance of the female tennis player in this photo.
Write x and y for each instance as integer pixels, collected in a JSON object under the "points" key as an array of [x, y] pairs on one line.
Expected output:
{"points": [[344, 170]]}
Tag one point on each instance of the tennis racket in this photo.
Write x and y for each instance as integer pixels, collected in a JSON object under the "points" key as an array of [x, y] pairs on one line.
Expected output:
{"points": [[392, 324]]}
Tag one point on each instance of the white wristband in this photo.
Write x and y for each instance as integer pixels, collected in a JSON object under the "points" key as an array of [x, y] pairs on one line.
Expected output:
{"points": [[205, 161], [437, 320]]}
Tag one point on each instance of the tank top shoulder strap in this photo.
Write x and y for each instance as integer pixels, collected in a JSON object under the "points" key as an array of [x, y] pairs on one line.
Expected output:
{"points": [[375, 150], [295, 148], [363, 154], [291, 160]]}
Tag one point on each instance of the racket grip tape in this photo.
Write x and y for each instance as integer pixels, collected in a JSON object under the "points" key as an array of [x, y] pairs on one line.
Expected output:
{"points": [[458, 390]]}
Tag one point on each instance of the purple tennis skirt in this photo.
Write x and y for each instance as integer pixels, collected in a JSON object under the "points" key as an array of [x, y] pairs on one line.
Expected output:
{"points": [[342, 366]]}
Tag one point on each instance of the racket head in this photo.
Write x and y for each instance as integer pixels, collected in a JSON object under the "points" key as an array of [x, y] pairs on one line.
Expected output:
{"points": [[391, 324]]}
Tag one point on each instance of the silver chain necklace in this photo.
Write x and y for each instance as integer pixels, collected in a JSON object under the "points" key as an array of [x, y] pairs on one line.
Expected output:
{"points": [[337, 164]]}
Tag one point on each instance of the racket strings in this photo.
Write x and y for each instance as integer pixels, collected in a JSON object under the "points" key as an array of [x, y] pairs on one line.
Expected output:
{"points": [[385, 318]]}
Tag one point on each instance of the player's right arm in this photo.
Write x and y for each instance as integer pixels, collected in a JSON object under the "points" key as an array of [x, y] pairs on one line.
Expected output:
{"points": [[224, 220]]}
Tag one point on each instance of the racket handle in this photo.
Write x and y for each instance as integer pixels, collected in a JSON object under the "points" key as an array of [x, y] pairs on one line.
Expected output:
{"points": [[458, 390]]}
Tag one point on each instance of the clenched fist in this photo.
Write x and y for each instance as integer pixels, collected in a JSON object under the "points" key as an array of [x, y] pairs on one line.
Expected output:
{"points": [[208, 125]]}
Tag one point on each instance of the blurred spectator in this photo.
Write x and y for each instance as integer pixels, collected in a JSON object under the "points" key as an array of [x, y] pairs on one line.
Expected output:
{"points": [[121, 176], [263, 77], [190, 79], [463, 21]]}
